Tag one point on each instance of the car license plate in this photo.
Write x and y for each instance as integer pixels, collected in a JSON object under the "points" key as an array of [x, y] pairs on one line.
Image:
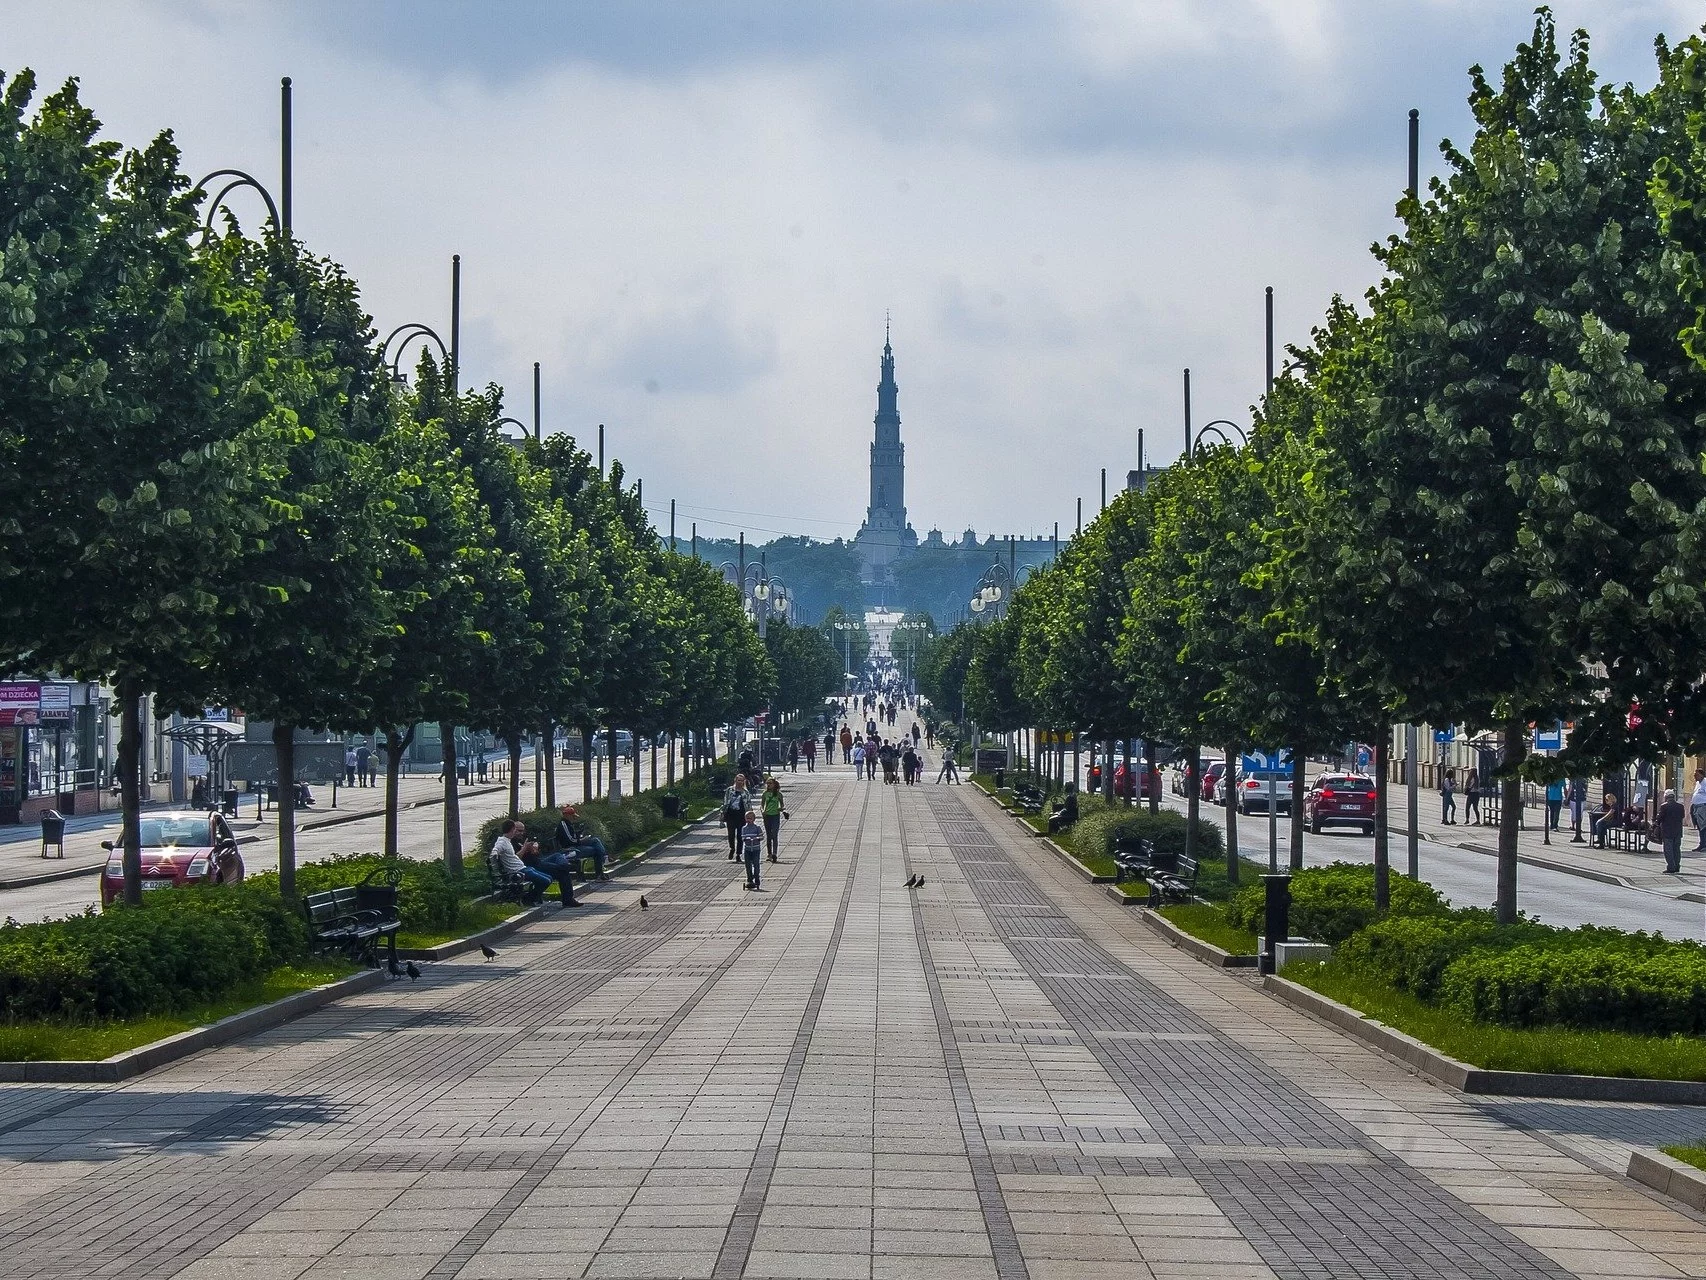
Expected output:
{"points": [[157, 884]]}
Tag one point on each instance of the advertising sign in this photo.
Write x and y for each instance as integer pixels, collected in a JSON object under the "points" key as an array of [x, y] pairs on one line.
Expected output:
{"points": [[56, 704], [20, 702]]}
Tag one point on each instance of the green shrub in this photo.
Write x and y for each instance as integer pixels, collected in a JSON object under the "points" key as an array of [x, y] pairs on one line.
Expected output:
{"points": [[177, 949], [1329, 904], [1654, 992], [429, 898], [638, 819], [1100, 824]]}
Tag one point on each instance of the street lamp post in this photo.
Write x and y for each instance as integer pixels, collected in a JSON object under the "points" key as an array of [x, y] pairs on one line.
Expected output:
{"points": [[847, 628]]}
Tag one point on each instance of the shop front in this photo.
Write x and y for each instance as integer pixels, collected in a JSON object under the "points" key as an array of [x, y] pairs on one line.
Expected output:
{"points": [[52, 750]]}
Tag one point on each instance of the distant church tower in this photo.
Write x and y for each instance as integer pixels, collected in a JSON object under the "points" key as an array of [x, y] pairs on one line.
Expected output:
{"points": [[885, 536]]}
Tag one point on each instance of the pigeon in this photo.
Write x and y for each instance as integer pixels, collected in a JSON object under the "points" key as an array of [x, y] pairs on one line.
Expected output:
{"points": [[920, 883], [412, 970], [488, 952], [911, 880], [644, 905], [391, 964]]}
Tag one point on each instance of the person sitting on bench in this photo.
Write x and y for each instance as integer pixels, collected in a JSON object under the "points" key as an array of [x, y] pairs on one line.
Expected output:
{"points": [[574, 836], [1067, 814]]}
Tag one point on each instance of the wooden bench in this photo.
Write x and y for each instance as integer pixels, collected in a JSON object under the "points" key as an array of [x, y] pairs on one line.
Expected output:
{"points": [[350, 921], [513, 886], [1136, 859], [1176, 885]]}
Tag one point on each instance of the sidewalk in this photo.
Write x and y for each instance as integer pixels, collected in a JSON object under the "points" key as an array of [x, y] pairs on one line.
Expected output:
{"points": [[21, 862]]}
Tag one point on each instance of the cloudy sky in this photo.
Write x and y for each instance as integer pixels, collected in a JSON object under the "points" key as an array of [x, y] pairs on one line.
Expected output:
{"points": [[696, 214]]}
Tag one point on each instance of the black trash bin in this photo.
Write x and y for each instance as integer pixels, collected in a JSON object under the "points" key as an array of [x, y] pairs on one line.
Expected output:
{"points": [[462, 773], [228, 802], [671, 806], [53, 833], [1000, 778]]}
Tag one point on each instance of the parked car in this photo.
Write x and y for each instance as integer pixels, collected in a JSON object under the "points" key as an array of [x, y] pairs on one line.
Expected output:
{"points": [[1213, 772], [178, 849], [1340, 800], [1258, 791]]}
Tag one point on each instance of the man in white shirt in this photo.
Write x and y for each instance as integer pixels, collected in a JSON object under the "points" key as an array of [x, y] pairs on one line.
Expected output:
{"points": [[510, 863], [1697, 808]]}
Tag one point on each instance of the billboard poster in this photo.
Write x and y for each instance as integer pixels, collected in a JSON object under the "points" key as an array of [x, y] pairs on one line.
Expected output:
{"points": [[20, 702]]}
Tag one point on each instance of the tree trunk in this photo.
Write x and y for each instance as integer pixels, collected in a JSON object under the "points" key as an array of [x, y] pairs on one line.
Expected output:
{"points": [[586, 765], [1149, 773], [1510, 813], [395, 745], [130, 789], [284, 751], [1229, 798], [452, 803], [1132, 793], [1193, 796], [636, 740], [550, 764], [1382, 846], [513, 740], [1296, 859]]}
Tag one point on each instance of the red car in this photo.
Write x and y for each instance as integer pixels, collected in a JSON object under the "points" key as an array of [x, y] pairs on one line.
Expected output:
{"points": [[1340, 800], [1212, 774], [1125, 785], [178, 849]]}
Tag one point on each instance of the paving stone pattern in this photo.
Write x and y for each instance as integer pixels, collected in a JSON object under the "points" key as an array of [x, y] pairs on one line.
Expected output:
{"points": [[999, 1075]]}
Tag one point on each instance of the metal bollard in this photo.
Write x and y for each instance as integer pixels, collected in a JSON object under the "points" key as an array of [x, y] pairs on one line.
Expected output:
{"points": [[1276, 918]]}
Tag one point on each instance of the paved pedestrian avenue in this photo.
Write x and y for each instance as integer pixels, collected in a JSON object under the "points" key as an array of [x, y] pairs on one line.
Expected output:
{"points": [[1000, 1074]]}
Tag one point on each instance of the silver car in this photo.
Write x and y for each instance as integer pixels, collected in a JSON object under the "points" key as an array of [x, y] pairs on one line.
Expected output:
{"points": [[1258, 792]]}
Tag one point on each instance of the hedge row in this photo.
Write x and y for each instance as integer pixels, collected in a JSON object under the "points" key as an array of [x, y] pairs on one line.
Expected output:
{"points": [[1100, 824], [1332, 903], [178, 949], [429, 898]]}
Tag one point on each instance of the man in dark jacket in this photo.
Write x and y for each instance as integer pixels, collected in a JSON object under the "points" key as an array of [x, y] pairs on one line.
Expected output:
{"points": [[1669, 827], [574, 837]]}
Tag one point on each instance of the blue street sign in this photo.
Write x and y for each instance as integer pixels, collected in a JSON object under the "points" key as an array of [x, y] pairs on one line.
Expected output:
{"points": [[1276, 763], [1443, 736], [1550, 739]]}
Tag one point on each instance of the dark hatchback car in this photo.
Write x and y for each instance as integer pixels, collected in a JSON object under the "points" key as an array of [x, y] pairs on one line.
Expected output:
{"points": [[1340, 800]]}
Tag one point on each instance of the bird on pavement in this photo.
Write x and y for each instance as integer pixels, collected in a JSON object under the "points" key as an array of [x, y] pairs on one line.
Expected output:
{"points": [[391, 964], [644, 905], [488, 952], [920, 883], [412, 971], [911, 880]]}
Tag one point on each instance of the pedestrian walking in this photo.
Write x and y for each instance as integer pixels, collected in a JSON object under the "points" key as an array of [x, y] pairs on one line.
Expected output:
{"points": [[859, 760], [1578, 803], [917, 733], [1472, 796], [1697, 808], [1448, 797], [846, 745], [736, 800], [363, 754], [349, 766], [811, 755], [1554, 803], [794, 756], [752, 847], [1669, 829], [774, 811]]}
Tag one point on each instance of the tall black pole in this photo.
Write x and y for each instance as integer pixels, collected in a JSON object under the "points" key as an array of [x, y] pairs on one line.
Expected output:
{"points": [[538, 431], [1270, 305], [640, 492], [741, 569], [672, 526], [455, 323], [1057, 539], [1104, 488], [284, 150], [601, 450], [1081, 515], [1187, 415], [1142, 471], [1415, 151], [695, 539]]}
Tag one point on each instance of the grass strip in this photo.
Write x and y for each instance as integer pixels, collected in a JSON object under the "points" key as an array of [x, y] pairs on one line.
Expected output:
{"points": [[1542, 1049], [1208, 922], [471, 918], [1695, 1156], [92, 1041]]}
